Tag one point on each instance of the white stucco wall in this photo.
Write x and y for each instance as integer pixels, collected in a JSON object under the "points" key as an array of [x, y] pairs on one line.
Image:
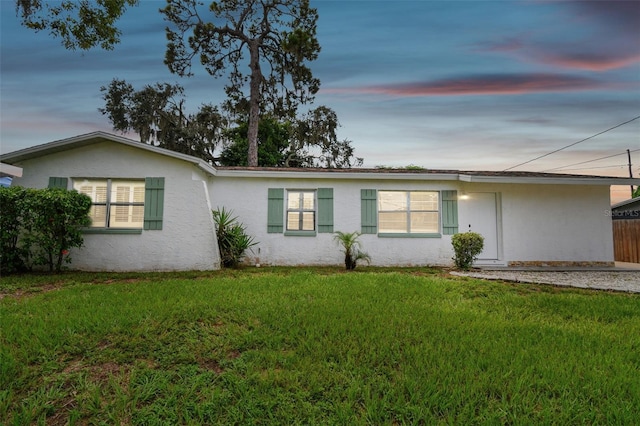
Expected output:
{"points": [[557, 223], [187, 239], [248, 199], [554, 223]]}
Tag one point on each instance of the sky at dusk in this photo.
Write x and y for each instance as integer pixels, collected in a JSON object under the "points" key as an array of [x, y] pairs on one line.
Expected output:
{"points": [[470, 85]]}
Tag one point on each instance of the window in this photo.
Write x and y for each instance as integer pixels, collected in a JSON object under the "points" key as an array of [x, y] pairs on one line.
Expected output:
{"points": [[301, 210], [408, 212], [116, 203]]}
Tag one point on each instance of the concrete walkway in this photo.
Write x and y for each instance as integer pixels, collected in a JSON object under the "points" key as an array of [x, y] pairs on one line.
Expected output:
{"points": [[623, 277]]}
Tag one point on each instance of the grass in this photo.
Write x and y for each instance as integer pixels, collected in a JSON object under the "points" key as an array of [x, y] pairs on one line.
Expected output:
{"points": [[313, 346]]}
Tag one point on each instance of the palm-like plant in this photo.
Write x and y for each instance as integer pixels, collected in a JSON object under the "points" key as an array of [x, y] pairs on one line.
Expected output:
{"points": [[232, 238], [351, 248]]}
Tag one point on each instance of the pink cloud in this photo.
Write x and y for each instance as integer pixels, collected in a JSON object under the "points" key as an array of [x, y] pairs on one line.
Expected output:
{"points": [[587, 61], [509, 84]]}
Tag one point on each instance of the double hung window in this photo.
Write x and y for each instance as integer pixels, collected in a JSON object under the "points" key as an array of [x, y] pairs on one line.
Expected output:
{"points": [[408, 212], [301, 210], [116, 203]]}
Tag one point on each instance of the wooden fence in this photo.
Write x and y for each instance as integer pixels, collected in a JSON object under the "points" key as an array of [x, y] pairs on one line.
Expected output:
{"points": [[626, 240]]}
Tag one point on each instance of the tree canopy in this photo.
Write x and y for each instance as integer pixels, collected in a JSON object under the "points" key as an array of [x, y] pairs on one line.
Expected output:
{"points": [[80, 24], [156, 113], [279, 37]]}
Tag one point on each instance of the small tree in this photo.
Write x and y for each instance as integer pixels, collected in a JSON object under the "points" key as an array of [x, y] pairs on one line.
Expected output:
{"points": [[467, 246], [351, 248], [39, 226], [233, 240], [61, 214]]}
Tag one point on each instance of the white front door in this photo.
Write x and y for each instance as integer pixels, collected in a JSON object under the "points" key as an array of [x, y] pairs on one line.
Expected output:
{"points": [[482, 214]]}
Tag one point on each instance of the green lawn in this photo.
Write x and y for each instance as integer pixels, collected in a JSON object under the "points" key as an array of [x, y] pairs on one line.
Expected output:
{"points": [[313, 346]]}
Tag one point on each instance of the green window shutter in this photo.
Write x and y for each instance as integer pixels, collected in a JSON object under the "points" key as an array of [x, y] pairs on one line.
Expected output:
{"points": [[449, 212], [369, 211], [325, 210], [275, 211], [153, 203], [58, 182]]}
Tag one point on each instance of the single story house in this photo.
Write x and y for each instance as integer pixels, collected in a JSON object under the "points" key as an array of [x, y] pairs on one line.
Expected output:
{"points": [[152, 209]]}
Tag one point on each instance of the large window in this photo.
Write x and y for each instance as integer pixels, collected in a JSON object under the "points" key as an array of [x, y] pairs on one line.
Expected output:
{"points": [[116, 203], [408, 212], [301, 210]]}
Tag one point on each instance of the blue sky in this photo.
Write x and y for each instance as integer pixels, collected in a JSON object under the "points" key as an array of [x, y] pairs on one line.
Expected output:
{"points": [[481, 85]]}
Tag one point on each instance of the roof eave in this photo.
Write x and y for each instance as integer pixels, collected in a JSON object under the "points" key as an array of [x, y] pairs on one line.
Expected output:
{"points": [[333, 175], [541, 180], [89, 138]]}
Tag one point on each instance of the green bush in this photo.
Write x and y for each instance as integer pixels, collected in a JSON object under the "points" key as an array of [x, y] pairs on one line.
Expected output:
{"points": [[233, 241], [39, 226], [467, 246]]}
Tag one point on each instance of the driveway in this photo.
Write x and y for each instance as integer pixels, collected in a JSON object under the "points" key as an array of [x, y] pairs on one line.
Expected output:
{"points": [[623, 277]]}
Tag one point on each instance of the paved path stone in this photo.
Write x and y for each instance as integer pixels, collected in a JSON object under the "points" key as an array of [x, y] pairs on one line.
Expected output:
{"points": [[624, 280]]}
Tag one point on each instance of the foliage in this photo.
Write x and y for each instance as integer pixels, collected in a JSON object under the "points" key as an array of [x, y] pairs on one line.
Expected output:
{"points": [[233, 240], [279, 37], [351, 248], [15, 219], [157, 114], [272, 150], [307, 141], [467, 246], [79, 23], [40, 226], [314, 346], [636, 193], [315, 142]]}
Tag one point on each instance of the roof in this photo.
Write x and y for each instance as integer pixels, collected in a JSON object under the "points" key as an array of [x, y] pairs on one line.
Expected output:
{"points": [[17, 157], [626, 203], [426, 174], [62, 145]]}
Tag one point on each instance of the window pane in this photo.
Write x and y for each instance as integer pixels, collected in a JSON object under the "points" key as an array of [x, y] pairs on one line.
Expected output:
{"points": [[127, 191], [98, 215], [392, 201], [308, 221], [308, 200], [392, 222], [120, 193], [125, 217], [293, 201], [424, 222], [95, 189], [424, 200], [293, 221]]}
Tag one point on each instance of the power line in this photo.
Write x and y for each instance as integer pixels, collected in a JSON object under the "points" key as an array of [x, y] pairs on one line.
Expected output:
{"points": [[590, 161], [575, 143], [599, 167]]}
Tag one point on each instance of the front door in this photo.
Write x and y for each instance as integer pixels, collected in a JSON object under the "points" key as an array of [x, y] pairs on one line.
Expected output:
{"points": [[482, 216]]}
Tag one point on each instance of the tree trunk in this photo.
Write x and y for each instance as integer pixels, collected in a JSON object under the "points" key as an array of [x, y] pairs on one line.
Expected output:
{"points": [[254, 104]]}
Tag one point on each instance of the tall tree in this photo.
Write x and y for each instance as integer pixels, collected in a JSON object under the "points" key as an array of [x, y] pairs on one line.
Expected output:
{"points": [[81, 24], [278, 35], [157, 114], [315, 142]]}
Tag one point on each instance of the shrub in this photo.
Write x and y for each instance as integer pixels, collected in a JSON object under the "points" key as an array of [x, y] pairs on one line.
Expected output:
{"points": [[233, 240], [39, 226], [467, 246], [351, 248], [14, 218]]}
